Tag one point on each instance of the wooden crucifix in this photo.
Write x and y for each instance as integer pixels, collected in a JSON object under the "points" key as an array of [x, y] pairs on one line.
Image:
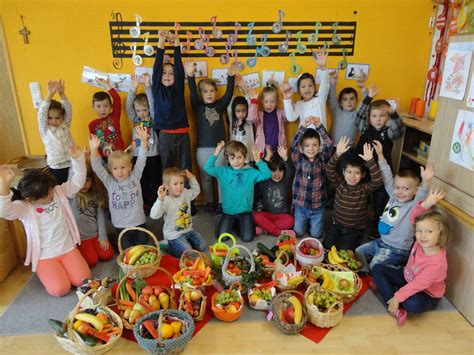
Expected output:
{"points": [[24, 31]]}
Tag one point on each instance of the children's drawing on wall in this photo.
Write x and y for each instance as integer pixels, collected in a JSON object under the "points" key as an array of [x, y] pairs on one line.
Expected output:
{"points": [[456, 73], [140, 71], [317, 74], [354, 71], [462, 145], [470, 95], [252, 80], [200, 69], [220, 76], [272, 76], [120, 82]]}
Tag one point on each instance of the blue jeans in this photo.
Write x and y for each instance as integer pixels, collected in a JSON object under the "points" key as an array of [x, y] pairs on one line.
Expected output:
{"points": [[186, 241], [377, 252], [315, 217], [389, 280], [245, 222]]}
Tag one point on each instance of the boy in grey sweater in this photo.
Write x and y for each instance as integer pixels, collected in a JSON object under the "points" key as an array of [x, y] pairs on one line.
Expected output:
{"points": [[396, 231], [123, 187], [174, 203]]}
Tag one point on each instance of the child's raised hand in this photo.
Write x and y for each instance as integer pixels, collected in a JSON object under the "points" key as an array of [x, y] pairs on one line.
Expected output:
{"points": [[189, 175], [234, 68], [162, 36], [104, 244], [219, 147], [173, 39], [256, 154], [368, 152], [342, 146], [321, 58], [146, 79], [189, 67], [268, 152], [162, 191], [75, 152], [316, 121], [135, 82], [94, 143], [308, 121], [361, 81], [286, 90], [142, 133], [240, 82], [373, 90], [6, 175], [60, 87], [104, 83], [253, 94], [433, 198], [427, 173], [52, 87], [283, 152], [393, 305], [378, 149], [333, 75]]}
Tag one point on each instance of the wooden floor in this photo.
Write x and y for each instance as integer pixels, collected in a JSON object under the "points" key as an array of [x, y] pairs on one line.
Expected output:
{"points": [[432, 333]]}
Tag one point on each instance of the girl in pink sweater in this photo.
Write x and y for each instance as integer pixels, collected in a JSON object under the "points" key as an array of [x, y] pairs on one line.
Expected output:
{"points": [[51, 230], [419, 286]]}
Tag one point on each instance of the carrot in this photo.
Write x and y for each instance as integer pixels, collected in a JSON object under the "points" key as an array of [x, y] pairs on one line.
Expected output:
{"points": [[151, 329], [126, 303], [196, 263], [131, 291], [207, 272], [115, 331], [286, 242], [193, 272], [99, 335]]}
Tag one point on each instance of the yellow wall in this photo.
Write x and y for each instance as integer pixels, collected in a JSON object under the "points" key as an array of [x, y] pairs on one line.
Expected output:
{"points": [[392, 35]]}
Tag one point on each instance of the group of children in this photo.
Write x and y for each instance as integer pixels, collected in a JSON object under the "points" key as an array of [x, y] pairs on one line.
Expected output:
{"points": [[66, 206]]}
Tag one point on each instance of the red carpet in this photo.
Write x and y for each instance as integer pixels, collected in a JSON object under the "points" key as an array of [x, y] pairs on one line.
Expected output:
{"points": [[171, 264]]}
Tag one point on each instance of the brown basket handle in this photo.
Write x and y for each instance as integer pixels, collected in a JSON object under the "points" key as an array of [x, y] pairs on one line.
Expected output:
{"points": [[189, 290], [289, 292], [70, 320], [117, 291], [192, 251], [150, 234]]}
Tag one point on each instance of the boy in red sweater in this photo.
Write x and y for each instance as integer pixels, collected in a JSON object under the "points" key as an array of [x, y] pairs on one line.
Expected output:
{"points": [[107, 105]]}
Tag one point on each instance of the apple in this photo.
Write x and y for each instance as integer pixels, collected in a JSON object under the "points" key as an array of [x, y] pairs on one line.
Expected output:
{"points": [[290, 314], [157, 290]]}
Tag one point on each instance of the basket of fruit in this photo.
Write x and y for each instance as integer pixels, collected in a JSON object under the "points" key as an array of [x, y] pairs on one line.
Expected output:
{"points": [[236, 265], [198, 275], [286, 276], [267, 258], [164, 332], [219, 250], [309, 251], [190, 257], [103, 294], [345, 258], [87, 330], [193, 302], [261, 296], [287, 240], [135, 298], [324, 307], [343, 282], [228, 305], [143, 260], [288, 312]]}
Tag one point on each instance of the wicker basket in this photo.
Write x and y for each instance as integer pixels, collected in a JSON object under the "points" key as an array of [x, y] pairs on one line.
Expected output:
{"points": [[267, 270], [165, 346], [184, 303], [217, 258], [168, 290], [289, 247], [138, 271], [262, 305], [344, 296], [227, 277], [307, 260], [74, 345], [190, 255], [327, 319], [280, 287], [277, 308], [220, 313]]}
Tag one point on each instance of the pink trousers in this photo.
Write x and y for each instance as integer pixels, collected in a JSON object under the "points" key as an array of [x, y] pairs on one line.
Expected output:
{"points": [[273, 223]]}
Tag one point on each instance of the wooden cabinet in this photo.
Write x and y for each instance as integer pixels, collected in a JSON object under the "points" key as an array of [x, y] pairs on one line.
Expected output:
{"points": [[8, 258]]}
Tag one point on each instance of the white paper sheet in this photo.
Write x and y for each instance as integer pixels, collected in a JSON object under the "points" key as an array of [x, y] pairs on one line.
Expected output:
{"points": [[455, 73], [462, 145]]}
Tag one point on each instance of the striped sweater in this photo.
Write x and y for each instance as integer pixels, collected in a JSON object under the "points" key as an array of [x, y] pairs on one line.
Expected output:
{"points": [[350, 202]]}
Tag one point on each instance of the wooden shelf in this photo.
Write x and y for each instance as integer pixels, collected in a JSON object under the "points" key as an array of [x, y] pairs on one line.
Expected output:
{"points": [[423, 125], [415, 157]]}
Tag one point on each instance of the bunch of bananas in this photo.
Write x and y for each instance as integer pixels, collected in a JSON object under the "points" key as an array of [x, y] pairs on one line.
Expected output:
{"points": [[345, 258], [139, 255]]}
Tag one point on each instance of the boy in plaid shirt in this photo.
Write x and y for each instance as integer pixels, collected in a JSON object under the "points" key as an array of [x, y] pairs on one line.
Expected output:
{"points": [[309, 185]]}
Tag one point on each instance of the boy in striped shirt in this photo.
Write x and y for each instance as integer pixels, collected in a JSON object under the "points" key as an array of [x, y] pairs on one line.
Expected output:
{"points": [[350, 203]]}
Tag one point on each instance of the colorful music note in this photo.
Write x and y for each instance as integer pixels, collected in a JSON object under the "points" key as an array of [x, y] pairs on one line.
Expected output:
{"points": [[135, 31], [335, 37], [240, 65], [326, 46], [264, 50], [313, 37], [251, 39], [200, 42], [118, 48], [187, 48], [216, 31], [233, 37], [283, 46], [300, 47], [343, 63], [251, 62], [294, 67], [277, 26], [224, 58], [136, 59], [147, 49], [177, 26]]}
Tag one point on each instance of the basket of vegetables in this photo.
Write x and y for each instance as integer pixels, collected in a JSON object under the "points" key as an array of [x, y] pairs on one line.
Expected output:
{"points": [[198, 275], [287, 240], [219, 250], [140, 261], [267, 258], [102, 295], [90, 330], [191, 257], [236, 265], [164, 332], [193, 302], [325, 308], [289, 312], [228, 305]]}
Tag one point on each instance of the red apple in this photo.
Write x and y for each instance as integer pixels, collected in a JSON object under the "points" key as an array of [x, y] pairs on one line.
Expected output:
{"points": [[290, 314], [157, 290], [148, 290]]}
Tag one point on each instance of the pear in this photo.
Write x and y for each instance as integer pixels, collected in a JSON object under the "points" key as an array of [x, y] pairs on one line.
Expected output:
{"points": [[164, 299]]}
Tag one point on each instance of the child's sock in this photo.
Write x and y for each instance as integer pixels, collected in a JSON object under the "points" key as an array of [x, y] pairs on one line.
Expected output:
{"points": [[401, 316]]}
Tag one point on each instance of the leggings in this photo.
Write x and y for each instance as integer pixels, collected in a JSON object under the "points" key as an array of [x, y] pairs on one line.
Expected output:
{"points": [[58, 273], [92, 252], [202, 155], [273, 223]]}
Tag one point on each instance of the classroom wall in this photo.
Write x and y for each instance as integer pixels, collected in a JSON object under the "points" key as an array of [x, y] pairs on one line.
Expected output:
{"points": [[392, 36]]}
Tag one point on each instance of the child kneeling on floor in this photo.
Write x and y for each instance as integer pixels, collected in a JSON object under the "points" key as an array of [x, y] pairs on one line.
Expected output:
{"points": [[51, 231], [174, 203], [420, 285], [237, 186]]}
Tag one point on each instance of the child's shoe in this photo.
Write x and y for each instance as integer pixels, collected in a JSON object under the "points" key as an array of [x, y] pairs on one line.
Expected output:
{"points": [[258, 230], [401, 316]]}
